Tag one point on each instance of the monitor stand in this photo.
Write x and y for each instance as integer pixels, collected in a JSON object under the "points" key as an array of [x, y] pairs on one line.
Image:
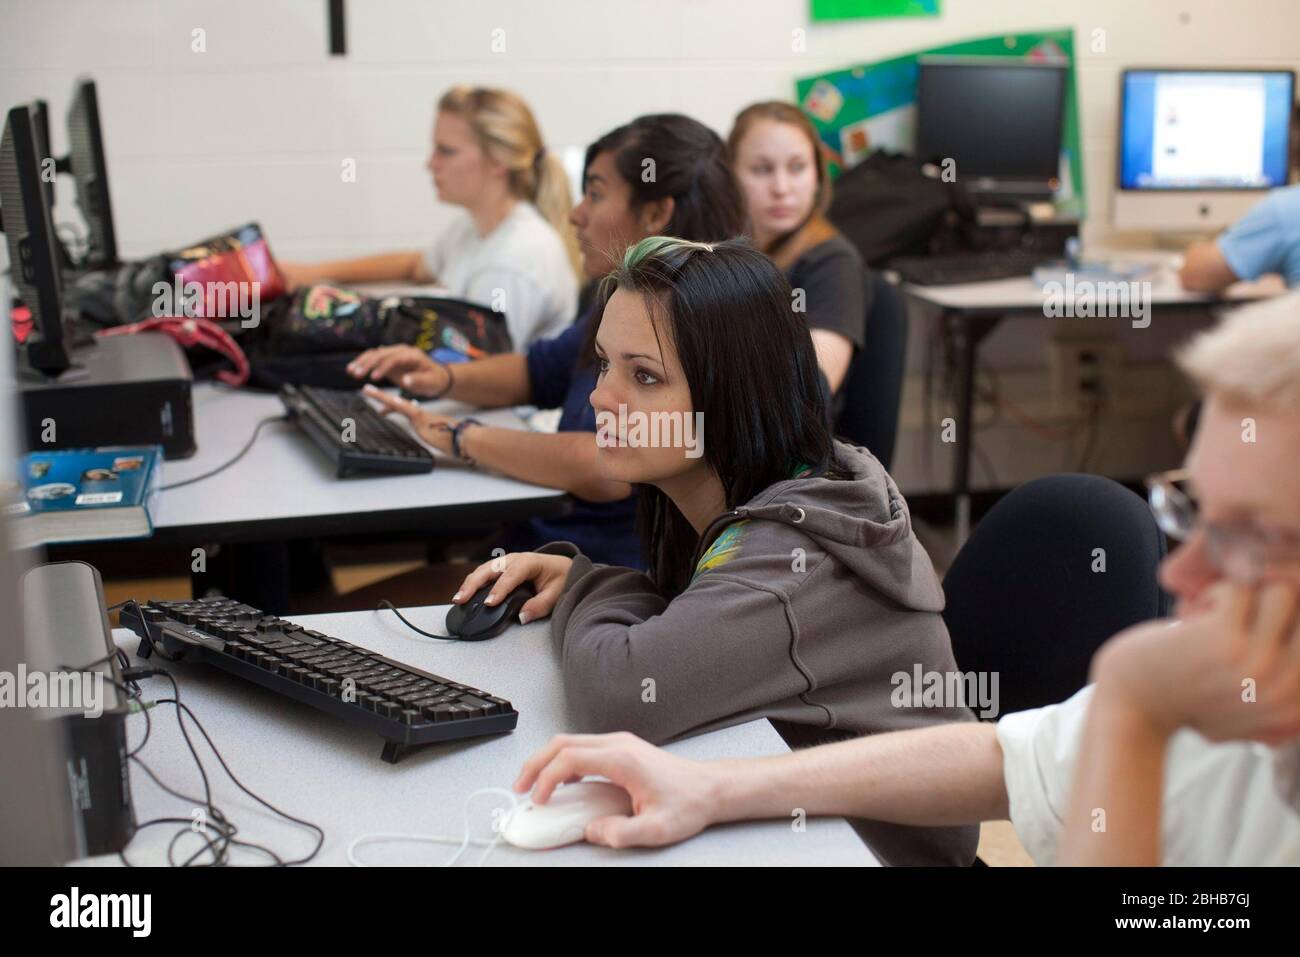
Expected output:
{"points": [[75, 372]]}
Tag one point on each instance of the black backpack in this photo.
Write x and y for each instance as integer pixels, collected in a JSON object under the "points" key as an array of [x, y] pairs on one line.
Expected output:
{"points": [[887, 206], [309, 337]]}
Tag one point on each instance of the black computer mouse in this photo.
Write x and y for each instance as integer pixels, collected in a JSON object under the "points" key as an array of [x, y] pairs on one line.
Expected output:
{"points": [[475, 621]]}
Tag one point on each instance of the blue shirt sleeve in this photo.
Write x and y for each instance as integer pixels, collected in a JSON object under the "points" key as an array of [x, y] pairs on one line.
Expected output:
{"points": [[1256, 243], [552, 363]]}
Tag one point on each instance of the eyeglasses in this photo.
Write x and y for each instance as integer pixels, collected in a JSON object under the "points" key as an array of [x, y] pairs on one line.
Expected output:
{"points": [[1241, 554]]}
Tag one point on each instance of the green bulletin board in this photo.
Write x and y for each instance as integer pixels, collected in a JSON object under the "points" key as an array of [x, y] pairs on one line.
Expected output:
{"points": [[862, 9], [860, 108]]}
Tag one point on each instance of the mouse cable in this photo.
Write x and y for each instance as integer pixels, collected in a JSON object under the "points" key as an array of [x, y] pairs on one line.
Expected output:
{"points": [[123, 662], [239, 455], [385, 603], [498, 826], [224, 830], [181, 707], [217, 821]]}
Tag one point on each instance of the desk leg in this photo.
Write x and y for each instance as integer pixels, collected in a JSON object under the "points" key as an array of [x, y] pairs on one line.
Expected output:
{"points": [[256, 573], [964, 336]]}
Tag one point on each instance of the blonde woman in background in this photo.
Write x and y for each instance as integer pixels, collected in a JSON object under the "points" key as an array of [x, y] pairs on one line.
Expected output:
{"points": [[513, 247]]}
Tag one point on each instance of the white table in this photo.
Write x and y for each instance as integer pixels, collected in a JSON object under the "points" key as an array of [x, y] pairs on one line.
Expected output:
{"points": [[285, 487], [328, 772], [970, 311], [1022, 294]]}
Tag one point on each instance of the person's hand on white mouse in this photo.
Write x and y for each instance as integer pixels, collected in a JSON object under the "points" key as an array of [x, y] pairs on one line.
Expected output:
{"points": [[673, 798], [546, 572]]}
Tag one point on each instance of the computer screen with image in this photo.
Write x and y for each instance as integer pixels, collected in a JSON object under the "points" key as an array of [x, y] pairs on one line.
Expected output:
{"points": [[1205, 130]]}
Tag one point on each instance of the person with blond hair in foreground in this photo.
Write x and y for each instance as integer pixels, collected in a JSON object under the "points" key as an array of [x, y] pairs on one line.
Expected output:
{"points": [[1184, 749]]}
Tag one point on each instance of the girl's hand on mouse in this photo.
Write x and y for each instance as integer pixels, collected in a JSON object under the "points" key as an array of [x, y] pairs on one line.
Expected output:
{"points": [[546, 572], [673, 798]]}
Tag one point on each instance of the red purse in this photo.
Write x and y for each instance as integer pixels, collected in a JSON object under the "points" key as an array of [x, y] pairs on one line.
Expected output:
{"points": [[190, 332]]}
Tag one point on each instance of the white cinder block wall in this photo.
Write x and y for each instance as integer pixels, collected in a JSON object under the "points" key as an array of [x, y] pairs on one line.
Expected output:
{"points": [[257, 127]]}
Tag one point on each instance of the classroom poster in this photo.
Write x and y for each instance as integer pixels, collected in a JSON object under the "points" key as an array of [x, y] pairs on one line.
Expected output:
{"points": [[874, 104]]}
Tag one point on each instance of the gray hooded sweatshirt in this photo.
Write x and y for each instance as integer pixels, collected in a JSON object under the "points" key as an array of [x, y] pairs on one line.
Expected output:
{"points": [[806, 602]]}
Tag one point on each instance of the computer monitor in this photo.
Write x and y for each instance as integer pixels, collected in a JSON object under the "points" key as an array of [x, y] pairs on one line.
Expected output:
{"points": [[1198, 148], [998, 119], [50, 167], [89, 168], [33, 250], [44, 154]]}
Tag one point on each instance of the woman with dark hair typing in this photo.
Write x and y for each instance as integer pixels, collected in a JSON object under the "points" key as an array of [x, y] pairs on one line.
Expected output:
{"points": [[784, 577], [692, 195]]}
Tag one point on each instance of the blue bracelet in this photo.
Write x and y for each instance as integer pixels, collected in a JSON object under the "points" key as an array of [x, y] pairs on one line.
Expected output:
{"points": [[455, 438]]}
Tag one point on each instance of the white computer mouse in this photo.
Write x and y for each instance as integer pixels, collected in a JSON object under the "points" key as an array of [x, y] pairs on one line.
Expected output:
{"points": [[564, 818]]}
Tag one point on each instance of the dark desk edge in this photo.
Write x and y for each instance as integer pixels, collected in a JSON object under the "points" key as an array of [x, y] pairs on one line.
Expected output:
{"points": [[434, 519]]}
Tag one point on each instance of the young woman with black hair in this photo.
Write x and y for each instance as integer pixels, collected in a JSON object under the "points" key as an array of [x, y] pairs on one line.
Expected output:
{"points": [[691, 194], [784, 577]]}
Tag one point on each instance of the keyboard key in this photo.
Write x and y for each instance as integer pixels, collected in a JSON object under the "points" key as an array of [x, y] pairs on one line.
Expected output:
{"points": [[439, 712]]}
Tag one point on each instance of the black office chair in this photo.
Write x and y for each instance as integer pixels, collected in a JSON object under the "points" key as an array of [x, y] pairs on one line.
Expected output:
{"points": [[1023, 598], [873, 388]]}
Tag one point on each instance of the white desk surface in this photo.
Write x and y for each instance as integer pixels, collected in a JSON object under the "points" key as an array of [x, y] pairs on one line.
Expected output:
{"points": [[285, 476], [1022, 293], [330, 773]]}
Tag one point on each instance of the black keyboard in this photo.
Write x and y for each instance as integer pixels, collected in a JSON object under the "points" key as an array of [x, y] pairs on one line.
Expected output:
{"points": [[401, 704], [949, 269], [355, 436]]}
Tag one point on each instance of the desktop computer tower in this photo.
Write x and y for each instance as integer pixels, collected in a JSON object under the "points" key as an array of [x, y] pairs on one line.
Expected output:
{"points": [[1013, 230], [66, 630], [122, 390]]}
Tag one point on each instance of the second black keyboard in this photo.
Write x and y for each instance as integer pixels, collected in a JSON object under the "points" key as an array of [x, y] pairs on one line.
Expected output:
{"points": [[352, 433], [404, 705]]}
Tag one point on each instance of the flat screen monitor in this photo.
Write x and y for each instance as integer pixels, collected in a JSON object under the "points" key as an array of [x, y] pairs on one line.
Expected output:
{"points": [[1197, 148], [41, 120], [34, 260], [90, 172], [999, 120]]}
